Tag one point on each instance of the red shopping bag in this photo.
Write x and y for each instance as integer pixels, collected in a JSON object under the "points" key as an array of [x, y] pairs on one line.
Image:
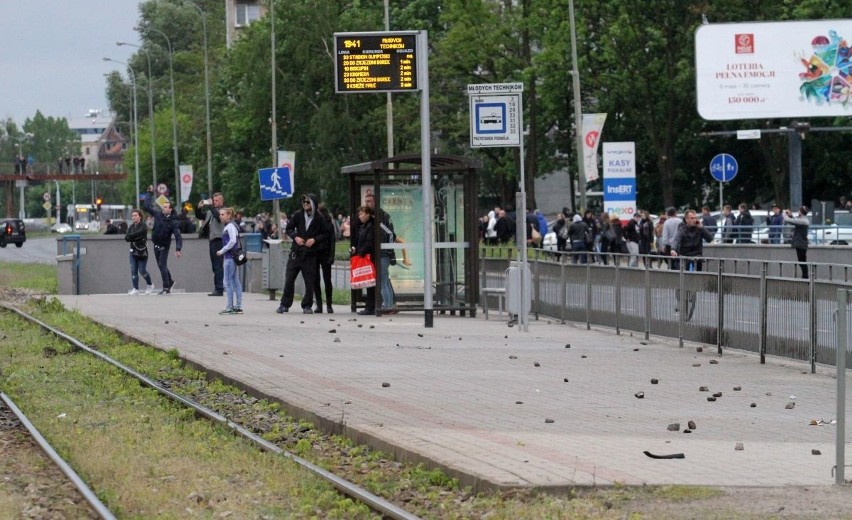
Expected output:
{"points": [[362, 272]]}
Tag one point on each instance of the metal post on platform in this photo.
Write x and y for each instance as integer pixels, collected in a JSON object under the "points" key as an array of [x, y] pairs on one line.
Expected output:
{"points": [[840, 361], [720, 306], [761, 332]]}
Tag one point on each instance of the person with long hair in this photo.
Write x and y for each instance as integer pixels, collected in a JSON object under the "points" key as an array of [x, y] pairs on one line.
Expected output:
{"points": [[137, 235], [230, 278]]}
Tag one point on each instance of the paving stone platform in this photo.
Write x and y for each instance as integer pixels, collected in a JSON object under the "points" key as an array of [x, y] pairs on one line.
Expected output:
{"points": [[496, 406]]}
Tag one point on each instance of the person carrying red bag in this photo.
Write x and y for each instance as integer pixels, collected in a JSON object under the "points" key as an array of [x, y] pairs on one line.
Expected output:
{"points": [[362, 268]]}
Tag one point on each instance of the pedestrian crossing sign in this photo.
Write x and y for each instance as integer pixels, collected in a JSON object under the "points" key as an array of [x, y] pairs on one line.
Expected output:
{"points": [[276, 183]]}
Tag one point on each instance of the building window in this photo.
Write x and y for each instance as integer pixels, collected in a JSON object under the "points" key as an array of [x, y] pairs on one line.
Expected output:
{"points": [[247, 13]]}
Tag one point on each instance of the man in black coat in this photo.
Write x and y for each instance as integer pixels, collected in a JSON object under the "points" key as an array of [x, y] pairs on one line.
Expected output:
{"points": [[307, 229], [689, 240]]}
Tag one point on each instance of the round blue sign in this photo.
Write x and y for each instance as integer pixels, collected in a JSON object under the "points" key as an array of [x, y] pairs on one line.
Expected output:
{"points": [[724, 167]]}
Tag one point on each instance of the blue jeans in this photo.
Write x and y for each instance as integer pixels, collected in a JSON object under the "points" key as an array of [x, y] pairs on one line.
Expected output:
{"points": [[576, 246], [233, 286], [139, 266], [387, 288]]}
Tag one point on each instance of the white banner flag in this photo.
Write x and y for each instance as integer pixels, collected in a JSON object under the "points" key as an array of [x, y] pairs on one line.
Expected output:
{"points": [[592, 128], [185, 181], [287, 159]]}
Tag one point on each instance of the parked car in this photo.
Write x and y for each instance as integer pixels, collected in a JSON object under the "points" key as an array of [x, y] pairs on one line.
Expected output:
{"points": [[14, 231], [837, 233]]}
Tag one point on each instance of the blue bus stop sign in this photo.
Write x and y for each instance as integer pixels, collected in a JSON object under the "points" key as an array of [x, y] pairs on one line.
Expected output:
{"points": [[724, 167]]}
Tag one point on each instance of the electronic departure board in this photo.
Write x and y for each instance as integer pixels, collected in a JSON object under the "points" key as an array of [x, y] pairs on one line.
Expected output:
{"points": [[375, 62]]}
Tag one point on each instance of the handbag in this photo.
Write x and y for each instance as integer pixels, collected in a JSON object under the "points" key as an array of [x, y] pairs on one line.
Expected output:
{"points": [[536, 236], [362, 272], [239, 255], [139, 252]]}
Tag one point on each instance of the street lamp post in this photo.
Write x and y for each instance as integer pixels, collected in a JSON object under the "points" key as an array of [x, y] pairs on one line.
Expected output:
{"points": [[150, 116], [276, 208], [206, 99], [174, 113], [22, 211], [135, 133]]}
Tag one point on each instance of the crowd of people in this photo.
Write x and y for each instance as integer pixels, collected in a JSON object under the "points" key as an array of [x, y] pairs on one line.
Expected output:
{"points": [[602, 238], [312, 231]]}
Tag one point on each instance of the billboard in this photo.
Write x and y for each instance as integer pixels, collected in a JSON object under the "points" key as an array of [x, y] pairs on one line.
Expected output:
{"points": [[774, 69], [619, 179]]}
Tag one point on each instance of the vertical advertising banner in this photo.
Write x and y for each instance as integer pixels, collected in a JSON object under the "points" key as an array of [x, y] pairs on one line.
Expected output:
{"points": [[185, 181], [592, 128], [288, 160], [619, 179]]}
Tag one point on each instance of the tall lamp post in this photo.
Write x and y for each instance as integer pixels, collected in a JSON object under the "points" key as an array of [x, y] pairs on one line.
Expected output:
{"points": [[276, 208], [22, 211], [206, 98], [578, 111], [135, 131], [174, 113], [150, 114]]}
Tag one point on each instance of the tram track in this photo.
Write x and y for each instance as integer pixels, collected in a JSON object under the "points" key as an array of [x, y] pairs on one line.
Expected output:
{"points": [[343, 486], [11, 419]]}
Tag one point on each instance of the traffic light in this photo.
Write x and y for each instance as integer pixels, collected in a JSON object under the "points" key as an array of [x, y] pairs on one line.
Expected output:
{"points": [[98, 202]]}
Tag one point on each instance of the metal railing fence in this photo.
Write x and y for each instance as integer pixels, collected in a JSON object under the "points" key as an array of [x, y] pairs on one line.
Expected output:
{"points": [[763, 308]]}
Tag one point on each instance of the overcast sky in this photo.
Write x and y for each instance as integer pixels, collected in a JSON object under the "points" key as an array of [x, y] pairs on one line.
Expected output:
{"points": [[51, 54]]}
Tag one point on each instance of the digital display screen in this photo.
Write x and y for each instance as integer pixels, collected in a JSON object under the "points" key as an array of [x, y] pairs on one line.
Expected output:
{"points": [[375, 62]]}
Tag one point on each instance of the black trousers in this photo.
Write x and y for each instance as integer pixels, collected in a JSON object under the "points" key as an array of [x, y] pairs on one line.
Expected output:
{"points": [[324, 273], [802, 256], [307, 265], [162, 256], [218, 264]]}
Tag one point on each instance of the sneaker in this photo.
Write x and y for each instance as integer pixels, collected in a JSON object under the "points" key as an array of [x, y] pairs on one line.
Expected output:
{"points": [[164, 292], [329, 309], [307, 310], [133, 292], [282, 309], [318, 310], [215, 293], [226, 312], [237, 310], [172, 285], [149, 289], [366, 312]]}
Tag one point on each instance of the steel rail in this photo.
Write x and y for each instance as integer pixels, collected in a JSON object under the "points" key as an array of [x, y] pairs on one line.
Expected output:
{"points": [[349, 489], [63, 466]]}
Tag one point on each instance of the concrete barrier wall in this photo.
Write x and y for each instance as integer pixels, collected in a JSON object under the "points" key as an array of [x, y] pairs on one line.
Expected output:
{"points": [[105, 266]]}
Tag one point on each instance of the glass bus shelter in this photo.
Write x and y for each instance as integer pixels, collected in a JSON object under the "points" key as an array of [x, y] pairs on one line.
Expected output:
{"points": [[397, 183]]}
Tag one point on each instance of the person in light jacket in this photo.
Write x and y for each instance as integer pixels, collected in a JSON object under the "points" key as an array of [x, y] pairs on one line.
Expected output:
{"points": [[800, 236], [230, 277]]}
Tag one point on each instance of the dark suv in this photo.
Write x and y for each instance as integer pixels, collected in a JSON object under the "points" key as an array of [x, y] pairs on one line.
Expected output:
{"points": [[12, 231]]}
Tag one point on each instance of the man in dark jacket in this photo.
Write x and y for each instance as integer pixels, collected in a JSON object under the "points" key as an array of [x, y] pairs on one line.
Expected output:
{"points": [[744, 225], [307, 229], [689, 240], [166, 225], [207, 212]]}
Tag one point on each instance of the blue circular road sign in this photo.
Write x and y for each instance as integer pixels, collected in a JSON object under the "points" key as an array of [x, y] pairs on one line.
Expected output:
{"points": [[724, 167]]}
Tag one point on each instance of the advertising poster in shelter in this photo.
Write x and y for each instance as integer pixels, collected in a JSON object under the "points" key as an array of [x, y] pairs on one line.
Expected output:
{"points": [[404, 204]]}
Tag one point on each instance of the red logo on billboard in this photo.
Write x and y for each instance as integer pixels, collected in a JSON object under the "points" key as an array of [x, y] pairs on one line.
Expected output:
{"points": [[187, 178], [744, 43], [592, 138]]}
